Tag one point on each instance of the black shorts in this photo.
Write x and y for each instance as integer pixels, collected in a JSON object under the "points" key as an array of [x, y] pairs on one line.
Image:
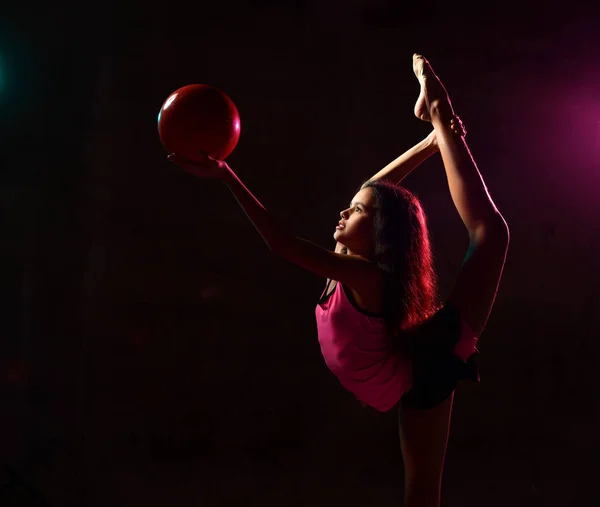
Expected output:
{"points": [[437, 378], [436, 370]]}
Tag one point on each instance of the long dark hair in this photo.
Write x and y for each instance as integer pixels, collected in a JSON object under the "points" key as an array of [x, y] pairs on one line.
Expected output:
{"points": [[403, 253]]}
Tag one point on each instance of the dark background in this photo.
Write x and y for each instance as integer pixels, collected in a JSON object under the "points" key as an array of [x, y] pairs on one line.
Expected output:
{"points": [[154, 352]]}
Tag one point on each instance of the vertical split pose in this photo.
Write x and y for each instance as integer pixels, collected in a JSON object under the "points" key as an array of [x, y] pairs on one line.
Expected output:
{"points": [[381, 329]]}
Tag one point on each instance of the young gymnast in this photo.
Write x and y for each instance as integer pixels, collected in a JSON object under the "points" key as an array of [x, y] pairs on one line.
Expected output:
{"points": [[380, 328]]}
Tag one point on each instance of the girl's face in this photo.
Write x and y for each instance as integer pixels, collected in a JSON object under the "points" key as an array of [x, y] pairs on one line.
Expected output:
{"points": [[355, 229]]}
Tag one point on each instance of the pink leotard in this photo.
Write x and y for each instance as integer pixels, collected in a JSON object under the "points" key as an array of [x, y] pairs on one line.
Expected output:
{"points": [[357, 349]]}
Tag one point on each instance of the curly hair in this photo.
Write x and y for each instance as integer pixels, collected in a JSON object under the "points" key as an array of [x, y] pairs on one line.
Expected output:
{"points": [[403, 253]]}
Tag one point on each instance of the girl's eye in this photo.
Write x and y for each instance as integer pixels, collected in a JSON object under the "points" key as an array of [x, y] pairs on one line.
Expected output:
{"points": [[357, 209]]}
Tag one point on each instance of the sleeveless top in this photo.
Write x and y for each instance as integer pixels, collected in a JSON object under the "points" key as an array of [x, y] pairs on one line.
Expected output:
{"points": [[358, 350]]}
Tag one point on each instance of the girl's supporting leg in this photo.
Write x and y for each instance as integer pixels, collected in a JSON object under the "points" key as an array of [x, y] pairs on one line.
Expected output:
{"points": [[423, 437]]}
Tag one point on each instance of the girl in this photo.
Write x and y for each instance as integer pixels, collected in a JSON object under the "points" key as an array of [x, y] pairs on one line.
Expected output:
{"points": [[380, 330]]}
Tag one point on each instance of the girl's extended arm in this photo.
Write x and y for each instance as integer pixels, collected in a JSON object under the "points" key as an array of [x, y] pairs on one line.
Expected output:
{"points": [[355, 271]]}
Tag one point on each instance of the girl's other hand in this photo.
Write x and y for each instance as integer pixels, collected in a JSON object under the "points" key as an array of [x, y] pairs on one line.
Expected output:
{"points": [[456, 125]]}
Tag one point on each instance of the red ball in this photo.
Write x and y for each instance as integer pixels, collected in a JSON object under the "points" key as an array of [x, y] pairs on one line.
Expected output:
{"points": [[199, 118]]}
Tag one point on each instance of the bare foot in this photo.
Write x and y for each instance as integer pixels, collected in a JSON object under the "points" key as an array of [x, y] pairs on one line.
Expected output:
{"points": [[433, 98]]}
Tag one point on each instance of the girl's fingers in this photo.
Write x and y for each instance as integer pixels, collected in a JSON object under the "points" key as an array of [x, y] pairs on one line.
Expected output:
{"points": [[185, 163], [177, 159], [457, 126]]}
